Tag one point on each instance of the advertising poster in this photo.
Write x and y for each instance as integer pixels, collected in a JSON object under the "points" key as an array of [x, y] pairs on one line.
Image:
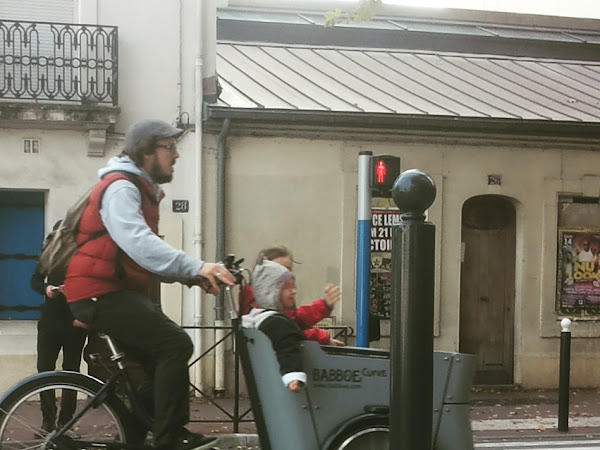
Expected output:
{"points": [[578, 278], [381, 260]]}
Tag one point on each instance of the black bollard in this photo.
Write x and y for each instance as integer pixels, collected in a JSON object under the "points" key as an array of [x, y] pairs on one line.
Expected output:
{"points": [[411, 332], [564, 375]]}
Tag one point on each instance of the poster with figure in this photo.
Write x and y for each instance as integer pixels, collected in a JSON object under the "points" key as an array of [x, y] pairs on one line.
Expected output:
{"points": [[578, 277], [381, 260]]}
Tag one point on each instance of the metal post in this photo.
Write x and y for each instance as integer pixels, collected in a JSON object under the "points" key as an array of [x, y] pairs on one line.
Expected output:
{"points": [[363, 249], [564, 375], [411, 334]]}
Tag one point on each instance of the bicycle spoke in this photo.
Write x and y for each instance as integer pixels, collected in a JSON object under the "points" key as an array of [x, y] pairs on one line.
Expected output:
{"points": [[21, 419]]}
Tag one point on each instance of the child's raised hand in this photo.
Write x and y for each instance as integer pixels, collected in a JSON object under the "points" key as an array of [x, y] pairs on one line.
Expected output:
{"points": [[332, 295]]}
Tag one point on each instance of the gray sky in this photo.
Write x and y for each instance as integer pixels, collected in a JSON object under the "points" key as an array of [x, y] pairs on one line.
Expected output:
{"points": [[569, 8]]}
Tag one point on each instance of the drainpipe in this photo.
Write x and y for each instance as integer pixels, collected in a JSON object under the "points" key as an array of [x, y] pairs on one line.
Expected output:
{"points": [[179, 63], [219, 309], [199, 93]]}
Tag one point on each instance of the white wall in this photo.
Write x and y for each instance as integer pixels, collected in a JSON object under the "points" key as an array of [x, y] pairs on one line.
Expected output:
{"points": [[149, 57], [302, 193]]}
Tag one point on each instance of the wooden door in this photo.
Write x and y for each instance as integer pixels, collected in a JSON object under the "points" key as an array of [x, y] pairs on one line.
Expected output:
{"points": [[487, 286]]}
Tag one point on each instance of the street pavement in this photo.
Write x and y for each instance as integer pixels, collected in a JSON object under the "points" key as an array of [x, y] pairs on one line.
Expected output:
{"points": [[570, 444], [502, 417], [511, 418], [511, 411]]}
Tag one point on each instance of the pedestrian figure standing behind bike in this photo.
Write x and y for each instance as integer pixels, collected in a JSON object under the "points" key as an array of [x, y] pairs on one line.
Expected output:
{"points": [[107, 278], [55, 333]]}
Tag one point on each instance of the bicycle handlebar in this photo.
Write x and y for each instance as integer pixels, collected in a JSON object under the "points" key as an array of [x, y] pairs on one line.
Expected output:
{"points": [[234, 268], [230, 264]]}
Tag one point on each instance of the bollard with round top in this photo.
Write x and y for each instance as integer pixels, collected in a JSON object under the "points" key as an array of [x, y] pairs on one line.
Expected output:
{"points": [[413, 193], [411, 319], [564, 375]]}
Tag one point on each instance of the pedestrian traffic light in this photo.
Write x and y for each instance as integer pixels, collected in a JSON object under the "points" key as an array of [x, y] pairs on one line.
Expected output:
{"points": [[384, 171]]}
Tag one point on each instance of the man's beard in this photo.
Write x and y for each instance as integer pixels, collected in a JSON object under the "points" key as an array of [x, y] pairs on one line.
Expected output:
{"points": [[158, 176]]}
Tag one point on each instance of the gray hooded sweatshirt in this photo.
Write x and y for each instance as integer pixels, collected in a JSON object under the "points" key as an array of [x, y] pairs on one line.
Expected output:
{"points": [[121, 213]]}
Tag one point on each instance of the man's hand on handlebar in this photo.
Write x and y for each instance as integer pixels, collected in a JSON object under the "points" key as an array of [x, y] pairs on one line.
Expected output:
{"points": [[215, 274]]}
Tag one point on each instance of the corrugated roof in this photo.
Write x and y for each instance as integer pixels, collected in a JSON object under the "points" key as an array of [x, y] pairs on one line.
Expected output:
{"points": [[398, 82]]}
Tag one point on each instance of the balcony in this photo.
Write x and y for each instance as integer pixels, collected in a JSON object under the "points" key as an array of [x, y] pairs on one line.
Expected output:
{"points": [[59, 76]]}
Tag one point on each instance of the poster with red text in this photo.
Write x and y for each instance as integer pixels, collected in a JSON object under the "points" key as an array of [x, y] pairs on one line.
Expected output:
{"points": [[382, 221], [578, 278]]}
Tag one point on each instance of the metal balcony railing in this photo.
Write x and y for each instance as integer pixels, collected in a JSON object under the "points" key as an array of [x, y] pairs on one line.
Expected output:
{"points": [[58, 62]]}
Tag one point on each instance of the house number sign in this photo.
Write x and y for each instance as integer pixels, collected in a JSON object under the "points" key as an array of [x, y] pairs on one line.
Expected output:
{"points": [[494, 180], [181, 206]]}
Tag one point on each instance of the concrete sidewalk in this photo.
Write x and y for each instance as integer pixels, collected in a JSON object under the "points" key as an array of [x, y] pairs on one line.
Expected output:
{"points": [[496, 412], [510, 411]]}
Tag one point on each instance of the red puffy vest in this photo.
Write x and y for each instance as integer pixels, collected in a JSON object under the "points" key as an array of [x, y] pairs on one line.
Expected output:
{"points": [[99, 266]]}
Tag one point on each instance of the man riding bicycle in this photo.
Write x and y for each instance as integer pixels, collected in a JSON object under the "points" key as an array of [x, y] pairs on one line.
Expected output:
{"points": [[120, 252]]}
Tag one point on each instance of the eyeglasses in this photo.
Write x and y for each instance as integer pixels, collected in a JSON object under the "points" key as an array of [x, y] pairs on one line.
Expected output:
{"points": [[171, 147]]}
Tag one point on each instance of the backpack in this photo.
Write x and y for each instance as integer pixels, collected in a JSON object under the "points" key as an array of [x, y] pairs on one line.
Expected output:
{"points": [[61, 244]]}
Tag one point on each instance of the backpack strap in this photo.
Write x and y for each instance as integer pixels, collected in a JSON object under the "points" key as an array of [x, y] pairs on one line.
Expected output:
{"points": [[91, 237], [96, 234], [119, 270], [135, 179]]}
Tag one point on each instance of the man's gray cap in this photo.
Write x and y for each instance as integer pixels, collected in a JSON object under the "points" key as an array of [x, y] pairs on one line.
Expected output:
{"points": [[267, 280], [141, 135]]}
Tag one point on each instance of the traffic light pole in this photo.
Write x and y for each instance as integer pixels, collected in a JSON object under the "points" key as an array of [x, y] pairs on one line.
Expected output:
{"points": [[363, 249]]}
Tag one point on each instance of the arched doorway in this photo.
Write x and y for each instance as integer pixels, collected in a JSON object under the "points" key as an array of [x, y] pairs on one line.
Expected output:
{"points": [[487, 286]]}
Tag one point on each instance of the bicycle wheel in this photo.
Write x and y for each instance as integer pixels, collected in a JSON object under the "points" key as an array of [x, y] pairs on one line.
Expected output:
{"points": [[368, 434], [107, 422]]}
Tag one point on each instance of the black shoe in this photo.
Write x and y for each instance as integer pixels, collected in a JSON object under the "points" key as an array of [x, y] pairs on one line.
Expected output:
{"points": [[137, 434], [46, 428], [70, 432], [193, 441]]}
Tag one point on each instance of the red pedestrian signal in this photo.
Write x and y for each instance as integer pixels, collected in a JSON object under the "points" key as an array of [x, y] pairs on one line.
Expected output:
{"points": [[385, 170], [380, 171]]}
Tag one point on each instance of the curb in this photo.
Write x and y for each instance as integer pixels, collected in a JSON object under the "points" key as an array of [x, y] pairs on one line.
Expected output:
{"points": [[557, 436], [237, 442]]}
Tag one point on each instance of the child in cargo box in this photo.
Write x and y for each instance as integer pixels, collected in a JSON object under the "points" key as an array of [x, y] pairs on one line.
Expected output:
{"points": [[305, 316], [275, 290]]}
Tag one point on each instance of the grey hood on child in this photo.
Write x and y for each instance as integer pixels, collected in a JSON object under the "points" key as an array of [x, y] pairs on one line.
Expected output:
{"points": [[267, 280]]}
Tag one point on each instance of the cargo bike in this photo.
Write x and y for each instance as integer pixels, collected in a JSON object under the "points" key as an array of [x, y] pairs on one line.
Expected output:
{"points": [[344, 405]]}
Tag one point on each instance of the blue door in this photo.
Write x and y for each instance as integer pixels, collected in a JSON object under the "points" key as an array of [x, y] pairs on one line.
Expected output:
{"points": [[21, 235]]}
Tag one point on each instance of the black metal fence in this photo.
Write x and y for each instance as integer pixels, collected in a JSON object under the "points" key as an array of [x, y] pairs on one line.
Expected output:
{"points": [[233, 412], [58, 62]]}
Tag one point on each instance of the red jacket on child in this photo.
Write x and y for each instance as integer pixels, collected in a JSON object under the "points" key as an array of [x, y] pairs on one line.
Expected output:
{"points": [[305, 316]]}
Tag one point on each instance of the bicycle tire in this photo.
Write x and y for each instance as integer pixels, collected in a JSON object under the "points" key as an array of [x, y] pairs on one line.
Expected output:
{"points": [[367, 433], [108, 421]]}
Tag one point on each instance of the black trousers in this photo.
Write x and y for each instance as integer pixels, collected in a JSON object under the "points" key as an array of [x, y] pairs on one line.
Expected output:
{"points": [[52, 337], [163, 348]]}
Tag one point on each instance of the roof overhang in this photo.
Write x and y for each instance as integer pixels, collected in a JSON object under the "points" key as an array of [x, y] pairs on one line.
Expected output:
{"points": [[382, 126]]}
